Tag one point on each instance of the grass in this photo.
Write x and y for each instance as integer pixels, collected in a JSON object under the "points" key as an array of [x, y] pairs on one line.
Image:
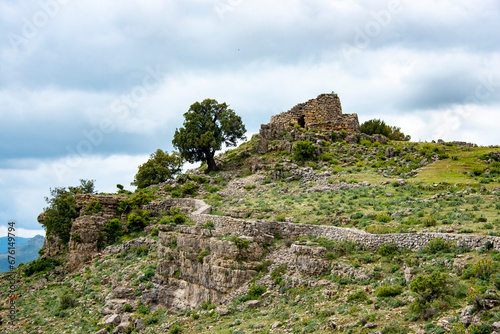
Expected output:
{"points": [[359, 287]]}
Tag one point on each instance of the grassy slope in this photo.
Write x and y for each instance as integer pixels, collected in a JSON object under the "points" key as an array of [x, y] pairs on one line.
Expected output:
{"points": [[349, 303]]}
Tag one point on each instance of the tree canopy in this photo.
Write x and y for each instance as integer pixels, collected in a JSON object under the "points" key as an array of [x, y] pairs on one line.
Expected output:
{"points": [[207, 125], [61, 211], [376, 126], [160, 167]]}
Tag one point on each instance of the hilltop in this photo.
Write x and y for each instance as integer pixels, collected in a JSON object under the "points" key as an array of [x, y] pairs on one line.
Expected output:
{"points": [[355, 234]]}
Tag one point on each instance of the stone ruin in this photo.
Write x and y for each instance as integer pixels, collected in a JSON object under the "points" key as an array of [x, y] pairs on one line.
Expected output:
{"points": [[323, 113]]}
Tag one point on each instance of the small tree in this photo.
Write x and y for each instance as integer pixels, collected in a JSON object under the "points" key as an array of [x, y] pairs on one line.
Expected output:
{"points": [[207, 125], [376, 126], [61, 211], [304, 150], [160, 167]]}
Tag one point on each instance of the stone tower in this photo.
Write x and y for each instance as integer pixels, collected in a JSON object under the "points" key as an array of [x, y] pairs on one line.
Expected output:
{"points": [[323, 113]]}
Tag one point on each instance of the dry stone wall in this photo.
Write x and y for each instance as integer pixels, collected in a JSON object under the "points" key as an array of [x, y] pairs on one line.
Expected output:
{"points": [[265, 230]]}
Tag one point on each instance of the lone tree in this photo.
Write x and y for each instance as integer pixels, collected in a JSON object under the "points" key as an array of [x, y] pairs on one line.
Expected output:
{"points": [[207, 125], [160, 167]]}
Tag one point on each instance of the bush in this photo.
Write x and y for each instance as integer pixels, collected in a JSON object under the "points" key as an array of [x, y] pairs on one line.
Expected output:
{"points": [[92, 207], [383, 218], [438, 245], [41, 265], [189, 188], [209, 225], [358, 296], [376, 126], [394, 328], [66, 301], [304, 150], [277, 273], [76, 238], [113, 230], [240, 242], [430, 290], [429, 221], [256, 291], [127, 308], [389, 290], [137, 220], [388, 250], [202, 255], [484, 268], [379, 229]]}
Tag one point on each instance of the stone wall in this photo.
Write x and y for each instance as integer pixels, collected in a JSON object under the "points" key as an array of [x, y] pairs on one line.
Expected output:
{"points": [[265, 230], [323, 113]]}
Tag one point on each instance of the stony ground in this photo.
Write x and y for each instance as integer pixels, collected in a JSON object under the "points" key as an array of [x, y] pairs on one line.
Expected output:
{"points": [[395, 188]]}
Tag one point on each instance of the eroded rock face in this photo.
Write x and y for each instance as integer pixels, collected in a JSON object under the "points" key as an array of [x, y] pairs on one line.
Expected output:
{"points": [[83, 243], [195, 266]]}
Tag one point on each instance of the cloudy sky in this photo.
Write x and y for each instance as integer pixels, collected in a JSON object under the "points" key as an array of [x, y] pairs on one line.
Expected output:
{"points": [[88, 89]]}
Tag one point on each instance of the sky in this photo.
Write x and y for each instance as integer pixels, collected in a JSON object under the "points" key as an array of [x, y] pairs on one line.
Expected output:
{"points": [[89, 89]]}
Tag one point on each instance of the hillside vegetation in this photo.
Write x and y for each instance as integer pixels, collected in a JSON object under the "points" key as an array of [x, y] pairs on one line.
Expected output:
{"points": [[303, 284]]}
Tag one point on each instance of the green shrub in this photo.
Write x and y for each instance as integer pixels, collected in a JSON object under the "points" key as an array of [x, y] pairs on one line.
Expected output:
{"points": [[137, 220], [240, 242], [388, 250], [140, 198], [76, 238], [202, 255], [113, 230], [484, 268], [142, 309], [249, 187], [92, 207], [66, 301], [304, 150], [174, 217], [438, 245], [209, 225], [277, 273], [357, 215], [280, 218], [430, 292], [127, 308], [207, 305], [429, 221], [189, 188], [175, 329], [41, 265], [365, 142], [198, 179], [256, 291], [394, 328], [139, 250], [358, 296], [148, 274], [379, 229], [383, 218], [154, 232], [389, 290]]}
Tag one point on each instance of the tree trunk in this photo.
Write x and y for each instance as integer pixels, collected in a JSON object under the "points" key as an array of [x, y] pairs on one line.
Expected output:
{"points": [[212, 167]]}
